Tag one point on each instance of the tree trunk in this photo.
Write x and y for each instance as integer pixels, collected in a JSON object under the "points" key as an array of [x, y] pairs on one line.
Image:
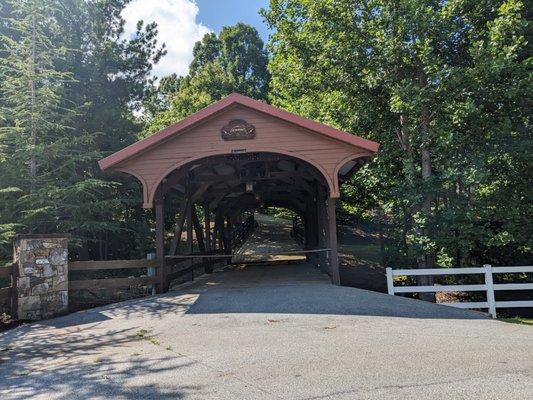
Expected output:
{"points": [[33, 125], [425, 259]]}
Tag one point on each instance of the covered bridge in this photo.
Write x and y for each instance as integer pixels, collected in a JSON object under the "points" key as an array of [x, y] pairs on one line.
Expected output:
{"points": [[237, 155]]}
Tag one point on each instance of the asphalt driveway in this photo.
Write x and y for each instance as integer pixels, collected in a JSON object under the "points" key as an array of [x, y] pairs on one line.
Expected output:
{"points": [[268, 332]]}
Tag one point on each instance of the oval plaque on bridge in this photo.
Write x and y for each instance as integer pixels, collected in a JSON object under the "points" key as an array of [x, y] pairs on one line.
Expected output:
{"points": [[238, 129]]}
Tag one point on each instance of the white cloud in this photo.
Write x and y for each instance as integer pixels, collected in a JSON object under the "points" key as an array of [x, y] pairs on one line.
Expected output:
{"points": [[177, 26]]}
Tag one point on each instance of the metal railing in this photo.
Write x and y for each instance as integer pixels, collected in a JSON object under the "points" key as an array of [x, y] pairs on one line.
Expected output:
{"points": [[489, 286]]}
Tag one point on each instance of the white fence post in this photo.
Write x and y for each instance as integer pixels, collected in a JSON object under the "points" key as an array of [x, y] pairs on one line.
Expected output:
{"points": [[390, 281], [491, 300], [489, 286]]}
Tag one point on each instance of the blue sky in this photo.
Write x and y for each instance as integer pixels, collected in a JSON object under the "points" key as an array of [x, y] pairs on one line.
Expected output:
{"points": [[183, 22], [217, 13]]}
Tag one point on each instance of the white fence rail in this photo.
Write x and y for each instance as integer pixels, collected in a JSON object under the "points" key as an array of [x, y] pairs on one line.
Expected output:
{"points": [[489, 287]]}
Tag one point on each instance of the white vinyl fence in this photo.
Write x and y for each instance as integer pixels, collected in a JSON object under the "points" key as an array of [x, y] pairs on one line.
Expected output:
{"points": [[489, 287]]}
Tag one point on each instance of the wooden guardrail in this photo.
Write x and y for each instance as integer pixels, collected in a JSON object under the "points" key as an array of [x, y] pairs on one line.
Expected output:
{"points": [[298, 230], [489, 287], [111, 282], [241, 233], [183, 264]]}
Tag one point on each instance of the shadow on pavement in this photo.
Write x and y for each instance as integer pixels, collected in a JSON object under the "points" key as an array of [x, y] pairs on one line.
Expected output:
{"points": [[36, 362]]}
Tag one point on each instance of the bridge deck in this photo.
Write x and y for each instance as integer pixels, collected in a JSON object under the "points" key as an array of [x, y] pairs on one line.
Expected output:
{"points": [[272, 235]]}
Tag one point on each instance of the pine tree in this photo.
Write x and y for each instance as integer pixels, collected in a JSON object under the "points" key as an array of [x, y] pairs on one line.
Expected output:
{"points": [[31, 85], [66, 105]]}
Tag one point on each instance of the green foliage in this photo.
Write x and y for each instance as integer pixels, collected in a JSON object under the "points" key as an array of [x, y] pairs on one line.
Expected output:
{"points": [[235, 61], [518, 320], [445, 87], [69, 86]]}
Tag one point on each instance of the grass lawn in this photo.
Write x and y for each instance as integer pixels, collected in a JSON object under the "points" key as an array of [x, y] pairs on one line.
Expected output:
{"points": [[518, 320]]}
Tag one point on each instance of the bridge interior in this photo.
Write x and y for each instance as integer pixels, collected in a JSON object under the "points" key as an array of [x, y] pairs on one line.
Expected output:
{"points": [[216, 197], [274, 240]]}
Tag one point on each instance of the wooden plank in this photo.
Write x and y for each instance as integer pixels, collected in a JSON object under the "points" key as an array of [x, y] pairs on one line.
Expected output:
{"points": [[112, 283], [279, 253], [437, 288], [438, 271], [111, 264]]}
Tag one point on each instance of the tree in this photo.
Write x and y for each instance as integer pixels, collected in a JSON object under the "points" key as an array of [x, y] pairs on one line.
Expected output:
{"points": [[235, 61], [426, 80], [93, 79], [31, 86]]}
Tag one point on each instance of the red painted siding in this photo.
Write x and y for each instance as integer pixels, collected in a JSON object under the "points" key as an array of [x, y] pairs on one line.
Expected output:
{"points": [[272, 135]]}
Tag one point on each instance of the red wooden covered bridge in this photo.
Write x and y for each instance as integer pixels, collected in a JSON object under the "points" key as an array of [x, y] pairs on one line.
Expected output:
{"points": [[237, 155]]}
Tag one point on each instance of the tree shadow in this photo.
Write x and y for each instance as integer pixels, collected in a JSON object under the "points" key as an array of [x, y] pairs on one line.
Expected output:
{"points": [[39, 362], [301, 289], [269, 289]]}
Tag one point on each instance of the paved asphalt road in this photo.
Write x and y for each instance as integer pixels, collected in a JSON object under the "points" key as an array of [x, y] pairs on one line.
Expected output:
{"points": [[271, 332]]}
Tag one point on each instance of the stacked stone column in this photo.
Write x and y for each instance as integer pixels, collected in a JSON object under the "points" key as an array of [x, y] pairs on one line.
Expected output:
{"points": [[42, 281]]}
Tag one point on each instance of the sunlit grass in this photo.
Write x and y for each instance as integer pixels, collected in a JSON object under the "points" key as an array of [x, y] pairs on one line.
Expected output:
{"points": [[518, 320]]}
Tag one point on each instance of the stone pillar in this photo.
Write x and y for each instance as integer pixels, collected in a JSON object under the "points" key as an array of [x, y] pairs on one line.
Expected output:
{"points": [[42, 281]]}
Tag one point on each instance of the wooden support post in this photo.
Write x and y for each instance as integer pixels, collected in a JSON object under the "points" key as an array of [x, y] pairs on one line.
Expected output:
{"points": [[334, 255], [198, 230], [160, 243], [229, 247], [178, 229], [322, 230], [207, 220], [189, 228], [215, 234]]}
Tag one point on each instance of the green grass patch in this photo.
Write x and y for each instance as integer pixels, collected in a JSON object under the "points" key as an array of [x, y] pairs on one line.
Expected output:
{"points": [[518, 320], [143, 335]]}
